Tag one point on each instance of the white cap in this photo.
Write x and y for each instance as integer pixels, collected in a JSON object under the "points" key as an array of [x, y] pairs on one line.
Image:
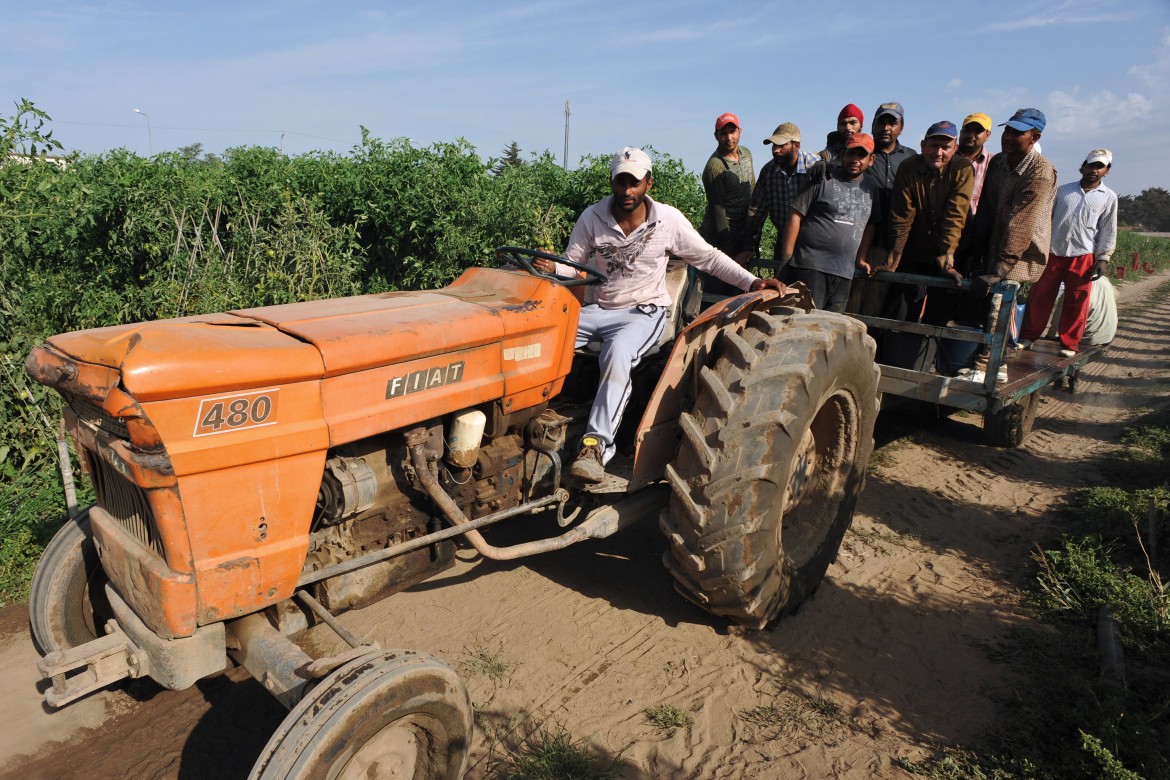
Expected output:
{"points": [[630, 160], [1099, 156]]}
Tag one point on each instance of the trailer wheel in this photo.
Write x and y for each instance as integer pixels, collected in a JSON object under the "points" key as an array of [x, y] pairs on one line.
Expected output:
{"points": [[1009, 426], [387, 714], [772, 459], [67, 606]]}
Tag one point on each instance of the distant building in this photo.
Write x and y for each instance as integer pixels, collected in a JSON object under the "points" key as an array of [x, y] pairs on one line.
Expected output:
{"points": [[60, 162]]}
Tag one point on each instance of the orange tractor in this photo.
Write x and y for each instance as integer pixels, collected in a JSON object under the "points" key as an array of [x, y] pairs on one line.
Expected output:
{"points": [[260, 471]]}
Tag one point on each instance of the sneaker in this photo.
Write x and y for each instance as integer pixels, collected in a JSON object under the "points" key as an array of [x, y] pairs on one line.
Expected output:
{"points": [[1024, 344], [979, 377], [1068, 353], [588, 467]]}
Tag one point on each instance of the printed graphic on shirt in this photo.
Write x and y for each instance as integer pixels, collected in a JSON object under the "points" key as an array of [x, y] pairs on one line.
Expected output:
{"points": [[621, 257], [853, 206]]}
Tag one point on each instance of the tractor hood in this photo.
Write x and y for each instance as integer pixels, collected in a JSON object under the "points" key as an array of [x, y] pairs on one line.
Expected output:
{"points": [[276, 345]]}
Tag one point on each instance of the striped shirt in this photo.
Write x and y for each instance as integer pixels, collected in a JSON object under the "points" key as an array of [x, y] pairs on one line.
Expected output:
{"points": [[979, 163], [636, 264], [1084, 223]]}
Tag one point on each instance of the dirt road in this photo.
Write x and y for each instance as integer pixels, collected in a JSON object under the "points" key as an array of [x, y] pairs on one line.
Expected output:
{"points": [[888, 658]]}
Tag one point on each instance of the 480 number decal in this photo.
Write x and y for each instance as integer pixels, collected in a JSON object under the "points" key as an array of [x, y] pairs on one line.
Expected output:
{"points": [[231, 413]]}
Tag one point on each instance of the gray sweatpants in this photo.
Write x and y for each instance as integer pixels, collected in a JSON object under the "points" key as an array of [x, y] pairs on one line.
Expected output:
{"points": [[626, 335]]}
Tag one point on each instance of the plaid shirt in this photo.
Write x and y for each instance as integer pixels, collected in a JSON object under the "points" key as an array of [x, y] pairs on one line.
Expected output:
{"points": [[773, 196], [1016, 205]]}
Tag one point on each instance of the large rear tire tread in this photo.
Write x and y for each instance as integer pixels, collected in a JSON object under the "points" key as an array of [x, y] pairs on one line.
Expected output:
{"points": [[389, 713], [734, 550], [67, 606]]}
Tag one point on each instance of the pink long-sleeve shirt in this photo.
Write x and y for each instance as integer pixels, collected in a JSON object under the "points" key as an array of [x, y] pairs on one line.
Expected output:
{"points": [[636, 264]]}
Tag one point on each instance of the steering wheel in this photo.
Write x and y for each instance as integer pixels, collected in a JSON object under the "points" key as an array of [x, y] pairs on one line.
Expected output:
{"points": [[523, 258]]}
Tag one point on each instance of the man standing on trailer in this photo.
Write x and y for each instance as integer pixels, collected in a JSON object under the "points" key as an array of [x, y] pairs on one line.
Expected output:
{"points": [[973, 137], [889, 154], [785, 175], [932, 195], [629, 237], [1013, 228], [830, 227], [849, 121], [1084, 235], [728, 179]]}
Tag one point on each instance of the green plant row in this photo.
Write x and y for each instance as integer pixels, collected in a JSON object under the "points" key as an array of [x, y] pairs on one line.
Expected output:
{"points": [[1138, 256]]}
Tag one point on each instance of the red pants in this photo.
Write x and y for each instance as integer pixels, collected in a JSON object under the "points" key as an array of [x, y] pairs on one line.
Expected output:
{"points": [[1075, 272]]}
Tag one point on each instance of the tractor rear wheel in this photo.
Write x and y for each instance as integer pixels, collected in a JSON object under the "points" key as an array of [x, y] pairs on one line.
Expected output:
{"points": [[67, 605], [772, 459], [387, 714]]}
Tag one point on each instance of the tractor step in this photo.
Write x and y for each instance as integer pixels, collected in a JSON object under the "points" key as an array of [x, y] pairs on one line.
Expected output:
{"points": [[618, 473], [94, 665]]}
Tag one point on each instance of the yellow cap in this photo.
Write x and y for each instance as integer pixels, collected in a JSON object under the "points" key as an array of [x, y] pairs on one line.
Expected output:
{"points": [[983, 120]]}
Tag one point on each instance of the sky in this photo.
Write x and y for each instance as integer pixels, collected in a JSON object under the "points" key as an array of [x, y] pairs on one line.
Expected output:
{"points": [[306, 76]]}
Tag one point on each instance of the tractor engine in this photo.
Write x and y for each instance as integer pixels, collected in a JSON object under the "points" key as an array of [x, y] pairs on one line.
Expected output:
{"points": [[369, 499]]}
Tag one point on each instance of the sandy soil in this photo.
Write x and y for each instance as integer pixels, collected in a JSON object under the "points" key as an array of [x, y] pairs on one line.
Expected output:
{"points": [[887, 659]]}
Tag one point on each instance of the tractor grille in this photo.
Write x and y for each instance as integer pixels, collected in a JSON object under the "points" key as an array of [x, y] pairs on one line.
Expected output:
{"points": [[95, 417], [126, 502]]}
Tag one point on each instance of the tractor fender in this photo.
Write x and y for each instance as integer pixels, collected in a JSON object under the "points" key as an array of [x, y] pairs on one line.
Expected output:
{"points": [[658, 434]]}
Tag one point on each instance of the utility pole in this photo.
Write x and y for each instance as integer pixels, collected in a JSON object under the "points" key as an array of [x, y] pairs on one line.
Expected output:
{"points": [[150, 138], [565, 159]]}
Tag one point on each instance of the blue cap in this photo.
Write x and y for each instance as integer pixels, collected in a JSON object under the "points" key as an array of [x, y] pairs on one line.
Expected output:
{"points": [[1026, 119], [944, 128], [894, 109]]}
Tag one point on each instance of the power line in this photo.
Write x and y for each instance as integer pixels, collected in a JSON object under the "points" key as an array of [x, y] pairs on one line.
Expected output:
{"points": [[204, 130]]}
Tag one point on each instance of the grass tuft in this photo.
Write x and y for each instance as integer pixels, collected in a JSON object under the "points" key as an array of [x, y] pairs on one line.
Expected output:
{"points": [[479, 661], [553, 754], [669, 717]]}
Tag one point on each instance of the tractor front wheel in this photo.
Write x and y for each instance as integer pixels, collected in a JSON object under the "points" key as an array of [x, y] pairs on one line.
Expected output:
{"points": [[387, 714], [67, 604], [772, 459]]}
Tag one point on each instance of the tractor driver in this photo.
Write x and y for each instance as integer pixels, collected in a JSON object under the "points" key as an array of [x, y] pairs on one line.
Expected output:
{"points": [[629, 237]]}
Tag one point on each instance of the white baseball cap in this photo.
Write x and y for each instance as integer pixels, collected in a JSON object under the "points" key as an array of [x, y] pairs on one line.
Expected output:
{"points": [[1099, 155], [630, 160]]}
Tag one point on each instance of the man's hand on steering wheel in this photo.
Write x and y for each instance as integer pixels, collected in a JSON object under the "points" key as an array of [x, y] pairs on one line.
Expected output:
{"points": [[543, 264]]}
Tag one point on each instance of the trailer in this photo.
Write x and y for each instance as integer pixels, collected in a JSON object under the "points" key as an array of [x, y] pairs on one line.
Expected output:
{"points": [[1008, 408]]}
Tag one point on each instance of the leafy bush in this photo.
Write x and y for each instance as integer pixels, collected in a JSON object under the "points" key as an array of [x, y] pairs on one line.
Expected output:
{"points": [[1079, 576]]}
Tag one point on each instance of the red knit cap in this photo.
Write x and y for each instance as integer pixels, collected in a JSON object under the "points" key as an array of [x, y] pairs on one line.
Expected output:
{"points": [[853, 111]]}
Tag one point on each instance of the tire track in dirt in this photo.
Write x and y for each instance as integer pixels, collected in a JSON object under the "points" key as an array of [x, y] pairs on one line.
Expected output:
{"points": [[1022, 479]]}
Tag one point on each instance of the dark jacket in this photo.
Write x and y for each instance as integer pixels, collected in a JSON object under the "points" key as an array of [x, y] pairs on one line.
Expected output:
{"points": [[929, 209], [882, 173]]}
